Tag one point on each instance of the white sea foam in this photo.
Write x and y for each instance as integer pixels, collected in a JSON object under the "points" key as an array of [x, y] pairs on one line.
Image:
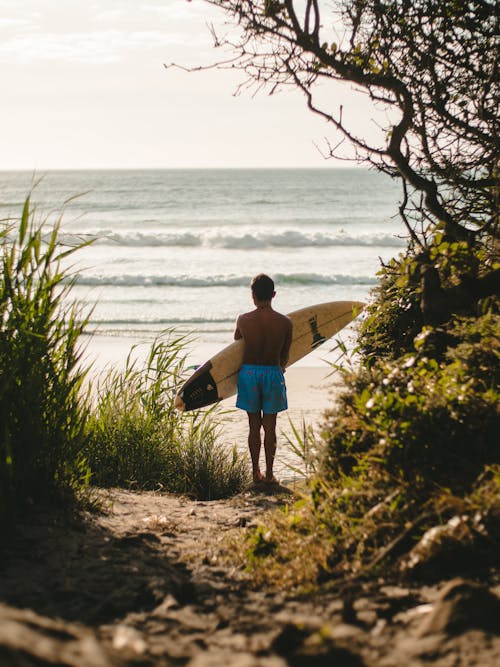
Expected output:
{"points": [[133, 280], [258, 241], [172, 321], [296, 239], [150, 240]]}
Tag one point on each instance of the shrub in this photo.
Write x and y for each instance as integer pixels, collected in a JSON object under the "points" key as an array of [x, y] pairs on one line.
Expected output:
{"points": [[422, 420], [393, 318], [41, 412], [395, 315], [51, 435]]}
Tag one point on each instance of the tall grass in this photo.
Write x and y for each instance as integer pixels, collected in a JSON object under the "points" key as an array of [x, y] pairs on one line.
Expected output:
{"points": [[303, 445], [137, 439], [42, 419], [55, 435]]}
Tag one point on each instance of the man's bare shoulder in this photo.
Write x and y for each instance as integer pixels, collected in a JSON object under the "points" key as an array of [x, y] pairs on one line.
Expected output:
{"points": [[284, 318], [246, 316]]}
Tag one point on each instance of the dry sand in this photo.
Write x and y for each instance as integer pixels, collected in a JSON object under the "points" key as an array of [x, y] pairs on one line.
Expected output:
{"points": [[153, 581], [311, 390]]}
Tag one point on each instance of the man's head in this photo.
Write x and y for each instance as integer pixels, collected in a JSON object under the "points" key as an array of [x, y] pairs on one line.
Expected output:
{"points": [[262, 287]]}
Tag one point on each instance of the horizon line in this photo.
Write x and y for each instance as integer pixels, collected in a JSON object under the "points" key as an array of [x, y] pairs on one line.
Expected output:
{"points": [[215, 168]]}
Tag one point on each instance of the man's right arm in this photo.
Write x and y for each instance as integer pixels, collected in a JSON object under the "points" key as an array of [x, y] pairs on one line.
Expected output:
{"points": [[237, 331], [285, 350]]}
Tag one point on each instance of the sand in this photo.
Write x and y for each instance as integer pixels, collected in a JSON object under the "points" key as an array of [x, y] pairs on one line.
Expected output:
{"points": [[311, 388], [153, 580]]}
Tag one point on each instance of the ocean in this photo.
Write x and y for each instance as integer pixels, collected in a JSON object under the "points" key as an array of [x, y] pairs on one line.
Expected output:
{"points": [[178, 248]]}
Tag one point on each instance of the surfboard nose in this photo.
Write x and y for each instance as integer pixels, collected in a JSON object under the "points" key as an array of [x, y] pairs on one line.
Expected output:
{"points": [[179, 403]]}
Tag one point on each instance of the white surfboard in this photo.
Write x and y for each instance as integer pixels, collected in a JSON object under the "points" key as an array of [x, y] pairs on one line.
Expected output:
{"points": [[218, 377]]}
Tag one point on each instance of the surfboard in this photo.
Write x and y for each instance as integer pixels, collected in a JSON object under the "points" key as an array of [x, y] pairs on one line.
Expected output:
{"points": [[218, 377]]}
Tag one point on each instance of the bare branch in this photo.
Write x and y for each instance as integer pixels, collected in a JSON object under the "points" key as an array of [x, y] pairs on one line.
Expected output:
{"points": [[431, 67]]}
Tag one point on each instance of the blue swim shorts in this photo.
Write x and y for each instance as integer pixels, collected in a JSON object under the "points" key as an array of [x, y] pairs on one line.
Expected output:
{"points": [[261, 388]]}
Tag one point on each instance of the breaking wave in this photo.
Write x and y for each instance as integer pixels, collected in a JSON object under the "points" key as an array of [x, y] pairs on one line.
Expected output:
{"points": [[286, 239], [221, 281], [161, 320]]}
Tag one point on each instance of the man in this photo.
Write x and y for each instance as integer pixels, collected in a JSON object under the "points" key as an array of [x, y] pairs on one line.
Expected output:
{"points": [[267, 335]]}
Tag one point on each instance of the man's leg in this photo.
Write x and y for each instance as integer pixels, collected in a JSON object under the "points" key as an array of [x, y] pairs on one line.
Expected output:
{"points": [[269, 424], [254, 443]]}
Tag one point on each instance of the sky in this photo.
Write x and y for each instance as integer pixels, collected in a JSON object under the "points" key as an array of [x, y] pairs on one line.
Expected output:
{"points": [[84, 87]]}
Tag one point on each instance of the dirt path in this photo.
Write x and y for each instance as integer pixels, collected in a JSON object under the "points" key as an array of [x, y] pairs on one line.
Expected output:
{"points": [[142, 584]]}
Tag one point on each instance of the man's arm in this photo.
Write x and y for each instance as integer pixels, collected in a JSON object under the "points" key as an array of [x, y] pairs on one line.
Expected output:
{"points": [[237, 331], [285, 350]]}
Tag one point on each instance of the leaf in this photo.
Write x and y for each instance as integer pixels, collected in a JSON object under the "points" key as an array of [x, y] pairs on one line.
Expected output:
{"points": [[24, 220]]}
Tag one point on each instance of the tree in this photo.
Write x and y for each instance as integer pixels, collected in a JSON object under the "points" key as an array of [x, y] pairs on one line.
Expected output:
{"points": [[430, 67]]}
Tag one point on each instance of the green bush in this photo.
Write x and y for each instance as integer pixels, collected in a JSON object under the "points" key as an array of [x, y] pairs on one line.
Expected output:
{"points": [[137, 439], [421, 420], [395, 317], [42, 415], [413, 440]]}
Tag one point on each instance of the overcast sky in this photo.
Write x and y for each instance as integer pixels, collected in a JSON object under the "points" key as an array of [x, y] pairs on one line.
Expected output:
{"points": [[83, 86]]}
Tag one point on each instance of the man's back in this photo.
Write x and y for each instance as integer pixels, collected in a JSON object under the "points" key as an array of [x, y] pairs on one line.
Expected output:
{"points": [[267, 336]]}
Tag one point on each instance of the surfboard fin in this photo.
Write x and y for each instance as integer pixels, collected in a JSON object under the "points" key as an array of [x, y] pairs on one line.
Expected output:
{"points": [[179, 404]]}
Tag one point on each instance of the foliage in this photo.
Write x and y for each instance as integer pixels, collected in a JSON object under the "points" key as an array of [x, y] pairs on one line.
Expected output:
{"points": [[421, 420], [402, 301], [302, 445], [41, 412], [429, 69], [137, 439], [288, 549], [393, 318], [52, 437], [260, 544], [410, 442], [359, 529]]}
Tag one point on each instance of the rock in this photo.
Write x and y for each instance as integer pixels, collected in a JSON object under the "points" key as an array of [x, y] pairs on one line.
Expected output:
{"points": [[126, 637], [344, 631], [188, 618], [226, 659], [167, 604], [461, 606], [28, 640], [395, 592], [305, 648], [444, 549]]}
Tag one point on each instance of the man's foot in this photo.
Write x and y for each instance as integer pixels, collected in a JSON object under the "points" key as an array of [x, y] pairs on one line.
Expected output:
{"points": [[258, 477], [270, 479]]}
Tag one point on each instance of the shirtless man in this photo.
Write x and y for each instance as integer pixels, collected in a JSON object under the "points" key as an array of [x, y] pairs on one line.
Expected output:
{"points": [[267, 335]]}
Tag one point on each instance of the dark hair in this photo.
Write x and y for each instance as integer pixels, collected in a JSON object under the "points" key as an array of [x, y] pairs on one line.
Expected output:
{"points": [[262, 287]]}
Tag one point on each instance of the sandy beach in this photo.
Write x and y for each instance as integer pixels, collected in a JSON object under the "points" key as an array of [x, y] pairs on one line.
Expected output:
{"points": [[310, 391], [311, 388]]}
